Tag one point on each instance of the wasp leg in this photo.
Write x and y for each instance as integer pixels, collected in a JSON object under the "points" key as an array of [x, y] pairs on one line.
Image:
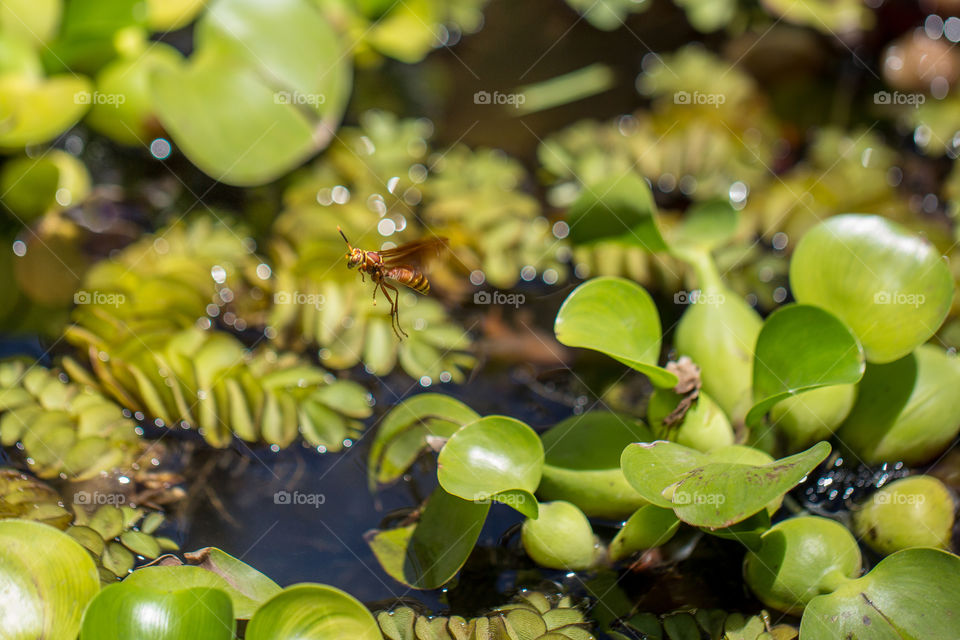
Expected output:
{"points": [[394, 309]]}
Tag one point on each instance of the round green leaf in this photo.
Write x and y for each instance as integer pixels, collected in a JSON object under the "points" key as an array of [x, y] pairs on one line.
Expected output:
{"points": [[892, 288], [582, 463], [34, 110], [46, 579], [318, 611], [175, 578], [263, 92], [905, 410], [706, 225], [496, 458], [716, 489], [621, 209], [122, 611], [402, 434], [801, 348], [428, 554], [617, 317], [913, 593], [652, 467], [650, 526], [719, 495]]}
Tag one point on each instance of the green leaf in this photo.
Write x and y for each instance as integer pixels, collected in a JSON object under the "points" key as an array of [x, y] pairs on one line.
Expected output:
{"points": [[428, 554], [716, 489], [46, 579], [892, 288], [307, 610], [620, 209], [719, 495], [122, 611], [242, 576], [35, 110], [905, 410], [912, 594], [582, 463], [801, 348], [402, 434], [263, 92], [650, 526], [706, 225], [629, 320], [652, 467], [493, 458], [175, 578]]}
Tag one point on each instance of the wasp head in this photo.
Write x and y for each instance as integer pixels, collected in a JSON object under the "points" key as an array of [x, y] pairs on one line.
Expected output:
{"points": [[355, 257]]}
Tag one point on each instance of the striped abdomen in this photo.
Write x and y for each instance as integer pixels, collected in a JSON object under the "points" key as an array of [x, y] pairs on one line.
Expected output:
{"points": [[409, 277]]}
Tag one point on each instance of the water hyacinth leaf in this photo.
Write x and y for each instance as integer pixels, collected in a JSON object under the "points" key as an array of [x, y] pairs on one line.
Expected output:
{"points": [[32, 186], [124, 611], [719, 495], [706, 225], [35, 110], [428, 554], [620, 209], [313, 611], [747, 532], [650, 526], [402, 434], [582, 463], [892, 288], [175, 578], [801, 348], [240, 135], [631, 325], [652, 467], [47, 578], [494, 458], [34, 20], [905, 410], [245, 578], [914, 593], [264, 91]]}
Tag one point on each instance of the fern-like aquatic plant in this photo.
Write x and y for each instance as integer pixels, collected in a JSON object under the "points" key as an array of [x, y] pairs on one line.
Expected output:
{"points": [[531, 614], [64, 429], [145, 324], [114, 534]]}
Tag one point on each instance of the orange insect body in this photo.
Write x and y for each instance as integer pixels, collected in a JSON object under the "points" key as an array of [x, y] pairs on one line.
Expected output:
{"points": [[400, 265]]}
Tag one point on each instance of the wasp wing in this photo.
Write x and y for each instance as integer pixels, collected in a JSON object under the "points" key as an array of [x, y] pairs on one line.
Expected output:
{"points": [[416, 254]]}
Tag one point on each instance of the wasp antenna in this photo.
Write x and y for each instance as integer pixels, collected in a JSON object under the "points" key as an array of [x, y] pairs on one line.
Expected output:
{"points": [[342, 235]]}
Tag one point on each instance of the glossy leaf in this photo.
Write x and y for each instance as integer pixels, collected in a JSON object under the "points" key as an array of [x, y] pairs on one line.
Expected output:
{"points": [[801, 348], [905, 410], [35, 110], [892, 288], [175, 578], [650, 526], [722, 494], [620, 209], [913, 593], [428, 554], [46, 579], [629, 320], [402, 433], [123, 611], [706, 225], [494, 458], [263, 92], [714, 490], [582, 463], [317, 611]]}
